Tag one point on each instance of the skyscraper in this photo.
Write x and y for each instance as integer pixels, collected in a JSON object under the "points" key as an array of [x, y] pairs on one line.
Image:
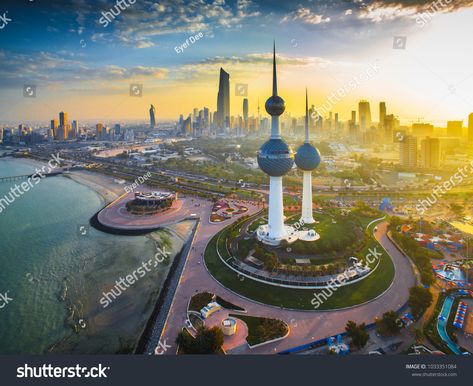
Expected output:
{"points": [[364, 114], [307, 159], [352, 127], [152, 117], [245, 113], [99, 132], [422, 130], [62, 119], [275, 158], [455, 128], [430, 153], [54, 126], [470, 128], [391, 126], [408, 152], [63, 126], [382, 114], [223, 100], [75, 129]]}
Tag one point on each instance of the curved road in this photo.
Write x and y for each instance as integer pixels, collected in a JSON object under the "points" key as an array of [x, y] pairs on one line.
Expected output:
{"points": [[306, 326]]}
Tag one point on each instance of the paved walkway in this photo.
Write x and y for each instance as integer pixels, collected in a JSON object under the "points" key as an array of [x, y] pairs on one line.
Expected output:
{"points": [[306, 326]]}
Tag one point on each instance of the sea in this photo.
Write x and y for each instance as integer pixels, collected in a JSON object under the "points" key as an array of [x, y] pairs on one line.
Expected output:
{"points": [[55, 268]]}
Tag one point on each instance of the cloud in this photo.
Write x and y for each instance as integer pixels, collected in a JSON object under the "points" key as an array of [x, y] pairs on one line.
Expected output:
{"points": [[48, 69], [141, 23], [306, 16], [390, 10]]}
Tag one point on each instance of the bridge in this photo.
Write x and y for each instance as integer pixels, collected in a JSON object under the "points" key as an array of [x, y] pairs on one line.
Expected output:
{"points": [[26, 176]]}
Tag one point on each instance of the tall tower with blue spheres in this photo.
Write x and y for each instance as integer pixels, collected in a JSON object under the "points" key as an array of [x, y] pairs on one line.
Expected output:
{"points": [[275, 158], [307, 159]]}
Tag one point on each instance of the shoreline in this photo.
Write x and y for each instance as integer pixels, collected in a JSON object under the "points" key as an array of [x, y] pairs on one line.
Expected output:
{"points": [[101, 184]]}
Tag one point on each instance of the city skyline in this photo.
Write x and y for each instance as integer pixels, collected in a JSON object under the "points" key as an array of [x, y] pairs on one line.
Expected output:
{"points": [[85, 68]]}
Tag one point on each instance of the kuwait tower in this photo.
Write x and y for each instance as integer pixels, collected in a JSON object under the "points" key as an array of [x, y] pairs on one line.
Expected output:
{"points": [[275, 158], [307, 159]]}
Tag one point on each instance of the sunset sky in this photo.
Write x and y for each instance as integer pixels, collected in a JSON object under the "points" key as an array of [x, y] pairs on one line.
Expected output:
{"points": [[84, 68]]}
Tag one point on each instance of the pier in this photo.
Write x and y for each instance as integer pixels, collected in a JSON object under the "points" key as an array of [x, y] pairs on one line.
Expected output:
{"points": [[26, 176]]}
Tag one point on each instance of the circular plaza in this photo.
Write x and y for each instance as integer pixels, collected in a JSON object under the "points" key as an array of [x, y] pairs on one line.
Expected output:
{"points": [[343, 267]]}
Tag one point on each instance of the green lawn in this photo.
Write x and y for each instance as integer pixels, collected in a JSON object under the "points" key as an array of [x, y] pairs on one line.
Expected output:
{"points": [[346, 296], [261, 329], [200, 300]]}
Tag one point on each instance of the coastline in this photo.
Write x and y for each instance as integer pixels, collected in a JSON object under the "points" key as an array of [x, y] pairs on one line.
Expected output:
{"points": [[101, 184]]}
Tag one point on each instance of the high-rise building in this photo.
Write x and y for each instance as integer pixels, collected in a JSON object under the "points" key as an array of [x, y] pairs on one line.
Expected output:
{"points": [[223, 100], [245, 113], [455, 129], [54, 127], [275, 158], [364, 114], [470, 128], [390, 126], [62, 119], [408, 151], [99, 132], [430, 153], [352, 127], [152, 117], [422, 130], [206, 118], [307, 159], [129, 135], [382, 114], [75, 129]]}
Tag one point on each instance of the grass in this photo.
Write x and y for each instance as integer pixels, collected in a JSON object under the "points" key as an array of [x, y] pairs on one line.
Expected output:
{"points": [[347, 296], [261, 329], [201, 299]]}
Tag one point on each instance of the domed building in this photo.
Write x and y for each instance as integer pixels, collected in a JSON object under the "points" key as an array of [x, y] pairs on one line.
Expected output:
{"points": [[275, 158], [307, 159]]}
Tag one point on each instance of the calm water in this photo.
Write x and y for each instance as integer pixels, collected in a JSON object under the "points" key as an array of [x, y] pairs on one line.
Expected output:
{"points": [[56, 275]]}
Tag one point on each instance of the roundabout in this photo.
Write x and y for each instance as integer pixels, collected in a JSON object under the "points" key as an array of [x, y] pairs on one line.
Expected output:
{"points": [[330, 281]]}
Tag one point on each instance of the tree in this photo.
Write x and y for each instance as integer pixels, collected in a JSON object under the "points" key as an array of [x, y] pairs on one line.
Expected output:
{"points": [[418, 335], [389, 324], [206, 341], [420, 299], [457, 209], [359, 337]]}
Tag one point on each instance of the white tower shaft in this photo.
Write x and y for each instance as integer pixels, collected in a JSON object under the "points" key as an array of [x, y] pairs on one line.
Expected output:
{"points": [[307, 217], [275, 215]]}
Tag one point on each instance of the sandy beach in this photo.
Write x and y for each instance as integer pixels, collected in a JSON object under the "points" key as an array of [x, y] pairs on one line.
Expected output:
{"points": [[102, 184]]}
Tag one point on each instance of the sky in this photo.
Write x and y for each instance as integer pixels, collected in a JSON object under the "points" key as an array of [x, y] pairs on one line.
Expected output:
{"points": [[84, 64]]}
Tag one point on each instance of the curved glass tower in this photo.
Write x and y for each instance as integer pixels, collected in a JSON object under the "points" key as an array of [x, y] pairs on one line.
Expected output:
{"points": [[275, 158], [307, 159]]}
